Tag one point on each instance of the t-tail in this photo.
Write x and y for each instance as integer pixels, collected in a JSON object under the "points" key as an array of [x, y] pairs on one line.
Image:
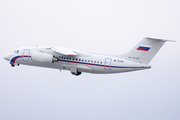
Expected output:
{"points": [[145, 50]]}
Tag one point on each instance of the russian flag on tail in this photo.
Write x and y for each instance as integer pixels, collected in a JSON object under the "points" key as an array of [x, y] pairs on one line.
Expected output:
{"points": [[143, 48]]}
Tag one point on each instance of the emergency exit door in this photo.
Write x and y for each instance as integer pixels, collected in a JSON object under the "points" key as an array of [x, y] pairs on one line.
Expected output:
{"points": [[107, 64]]}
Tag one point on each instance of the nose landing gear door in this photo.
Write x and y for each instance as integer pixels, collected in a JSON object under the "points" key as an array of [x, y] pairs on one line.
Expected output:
{"points": [[26, 53]]}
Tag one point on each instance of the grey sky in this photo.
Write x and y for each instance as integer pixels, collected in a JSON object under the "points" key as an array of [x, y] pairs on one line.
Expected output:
{"points": [[97, 26]]}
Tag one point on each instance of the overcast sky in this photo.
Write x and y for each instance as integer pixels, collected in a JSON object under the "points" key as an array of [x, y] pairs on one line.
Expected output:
{"points": [[97, 26]]}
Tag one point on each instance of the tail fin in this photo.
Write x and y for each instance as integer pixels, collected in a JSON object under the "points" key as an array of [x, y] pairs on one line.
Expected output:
{"points": [[145, 50]]}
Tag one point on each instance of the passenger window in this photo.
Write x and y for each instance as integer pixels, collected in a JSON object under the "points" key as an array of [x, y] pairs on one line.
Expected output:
{"points": [[76, 59], [85, 60], [69, 58], [97, 61], [101, 62], [82, 60], [79, 59], [73, 58], [114, 60], [64, 57], [88, 60], [120, 61], [94, 61]]}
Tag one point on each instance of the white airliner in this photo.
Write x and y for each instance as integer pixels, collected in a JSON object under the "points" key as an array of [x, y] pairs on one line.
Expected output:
{"points": [[77, 62]]}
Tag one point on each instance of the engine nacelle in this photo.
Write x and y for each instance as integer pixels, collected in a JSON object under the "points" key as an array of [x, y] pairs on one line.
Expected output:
{"points": [[43, 57]]}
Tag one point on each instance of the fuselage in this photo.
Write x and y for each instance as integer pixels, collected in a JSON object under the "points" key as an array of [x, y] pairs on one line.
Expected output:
{"points": [[82, 62]]}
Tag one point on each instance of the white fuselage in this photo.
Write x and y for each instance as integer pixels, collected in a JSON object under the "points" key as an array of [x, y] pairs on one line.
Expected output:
{"points": [[83, 62]]}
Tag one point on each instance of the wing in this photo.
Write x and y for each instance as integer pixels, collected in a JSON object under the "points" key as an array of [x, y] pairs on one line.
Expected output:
{"points": [[64, 51]]}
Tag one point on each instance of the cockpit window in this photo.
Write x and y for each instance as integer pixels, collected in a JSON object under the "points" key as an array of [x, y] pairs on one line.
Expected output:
{"points": [[16, 51]]}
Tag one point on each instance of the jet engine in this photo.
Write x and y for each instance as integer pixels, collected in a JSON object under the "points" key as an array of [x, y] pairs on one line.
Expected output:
{"points": [[43, 57]]}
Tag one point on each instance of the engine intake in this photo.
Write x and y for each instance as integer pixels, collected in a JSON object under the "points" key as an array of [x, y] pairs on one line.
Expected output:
{"points": [[43, 57]]}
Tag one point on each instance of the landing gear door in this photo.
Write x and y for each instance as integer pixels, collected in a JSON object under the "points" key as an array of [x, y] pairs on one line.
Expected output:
{"points": [[107, 64], [26, 53]]}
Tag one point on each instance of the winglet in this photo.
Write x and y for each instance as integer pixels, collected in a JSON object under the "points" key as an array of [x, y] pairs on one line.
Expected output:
{"points": [[161, 39]]}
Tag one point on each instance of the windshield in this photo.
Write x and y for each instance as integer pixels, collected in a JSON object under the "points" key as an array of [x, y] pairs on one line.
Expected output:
{"points": [[16, 51]]}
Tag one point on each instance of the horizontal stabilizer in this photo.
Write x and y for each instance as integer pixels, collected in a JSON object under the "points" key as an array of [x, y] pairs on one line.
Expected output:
{"points": [[161, 39]]}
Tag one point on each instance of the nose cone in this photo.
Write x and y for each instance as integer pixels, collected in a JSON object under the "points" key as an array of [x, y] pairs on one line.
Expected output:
{"points": [[7, 57]]}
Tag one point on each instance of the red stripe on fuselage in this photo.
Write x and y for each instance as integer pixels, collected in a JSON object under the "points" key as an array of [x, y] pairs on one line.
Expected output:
{"points": [[15, 59], [99, 65]]}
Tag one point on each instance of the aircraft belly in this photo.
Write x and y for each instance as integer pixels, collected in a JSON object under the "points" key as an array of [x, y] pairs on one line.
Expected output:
{"points": [[31, 63]]}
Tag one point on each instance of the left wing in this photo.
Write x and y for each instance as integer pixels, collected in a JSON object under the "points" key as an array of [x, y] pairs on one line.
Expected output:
{"points": [[64, 51]]}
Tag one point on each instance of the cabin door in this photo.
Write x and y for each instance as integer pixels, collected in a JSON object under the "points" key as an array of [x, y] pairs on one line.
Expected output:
{"points": [[107, 64], [26, 55]]}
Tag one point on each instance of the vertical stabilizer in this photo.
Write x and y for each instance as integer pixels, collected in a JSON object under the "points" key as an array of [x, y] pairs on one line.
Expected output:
{"points": [[145, 50]]}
